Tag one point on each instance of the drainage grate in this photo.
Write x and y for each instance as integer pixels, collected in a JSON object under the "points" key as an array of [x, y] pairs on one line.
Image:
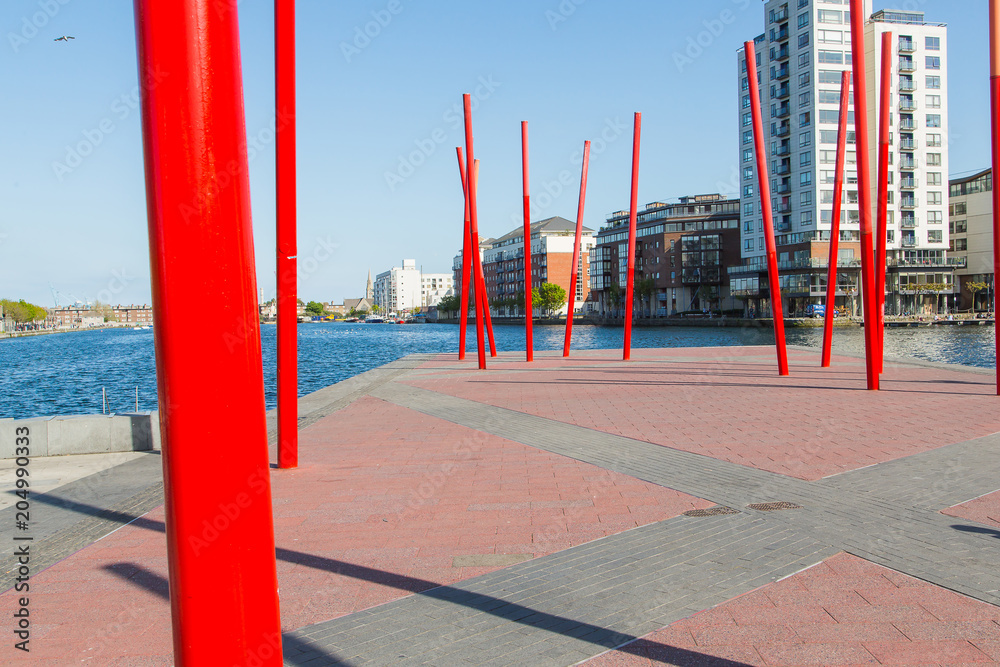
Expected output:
{"points": [[712, 511], [773, 507]]}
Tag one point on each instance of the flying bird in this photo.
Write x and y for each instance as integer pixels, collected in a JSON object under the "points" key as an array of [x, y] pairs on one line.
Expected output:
{"points": [[64, 38]]}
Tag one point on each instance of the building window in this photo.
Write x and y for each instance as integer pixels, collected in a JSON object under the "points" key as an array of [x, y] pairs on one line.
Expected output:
{"points": [[804, 59], [935, 236], [934, 198], [805, 99], [831, 57], [805, 138], [805, 159], [760, 244], [747, 192], [935, 218], [933, 101], [748, 137], [748, 155], [933, 159], [806, 198], [934, 178], [747, 120], [747, 229], [828, 157], [745, 84], [830, 16], [960, 245], [747, 173], [806, 178], [934, 82], [748, 245], [804, 79], [746, 101], [933, 62], [830, 36], [832, 116], [933, 120], [932, 43], [806, 218], [803, 19], [830, 76], [804, 40], [805, 119]]}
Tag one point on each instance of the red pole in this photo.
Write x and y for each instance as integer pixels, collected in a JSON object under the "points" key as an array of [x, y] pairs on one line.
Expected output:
{"points": [[529, 345], [838, 196], [995, 97], [883, 195], [764, 180], [220, 535], [469, 183], [571, 298], [285, 171], [869, 300], [630, 277], [463, 316], [485, 295]]}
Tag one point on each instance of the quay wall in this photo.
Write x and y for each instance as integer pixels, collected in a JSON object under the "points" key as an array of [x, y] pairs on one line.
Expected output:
{"points": [[83, 434]]}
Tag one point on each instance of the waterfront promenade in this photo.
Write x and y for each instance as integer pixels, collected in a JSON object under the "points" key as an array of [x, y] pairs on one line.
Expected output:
{"points": [[688, 507]]}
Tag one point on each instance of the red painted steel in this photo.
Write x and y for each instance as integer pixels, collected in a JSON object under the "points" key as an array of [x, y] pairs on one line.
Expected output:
{"points": [[838, 196], [220, 536], [869, 301], [287, 244], [995, 99], [764, 183], [483, 292], [469, 183], [529, 344], [463, 316], [881, 238], [571, 297], [634, 203]]}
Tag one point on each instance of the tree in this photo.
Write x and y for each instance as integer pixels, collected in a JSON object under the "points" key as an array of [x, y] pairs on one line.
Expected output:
{"points": [[315, 308], [21, 311], [548, 297], [614, 295], [644, 289], [450, 304], [103, 310], [975, 288], [376, 308]]}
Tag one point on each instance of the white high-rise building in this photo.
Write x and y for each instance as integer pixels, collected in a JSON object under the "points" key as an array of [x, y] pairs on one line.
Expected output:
{"points": [[434, 287], [399, 288], [800, 59]]}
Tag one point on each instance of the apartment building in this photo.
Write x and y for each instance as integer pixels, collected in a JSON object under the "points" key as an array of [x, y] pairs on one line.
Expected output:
{"points": [[970, 225], [801, 56], [682, 251]]}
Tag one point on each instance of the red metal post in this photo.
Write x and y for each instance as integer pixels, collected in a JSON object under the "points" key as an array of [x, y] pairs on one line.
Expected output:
{"points": [[869, 300], [571, 297], [529, 345], [469, 184], [482, 282], [838, 196], [463, 316], [220, 536], [995, 97], [881, 238], [630, 277], [764, 183], [285, 171]]}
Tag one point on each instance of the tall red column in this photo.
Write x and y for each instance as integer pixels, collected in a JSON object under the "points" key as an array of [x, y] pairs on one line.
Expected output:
{"points": [[571, 297], [838, 197], [287, 244], [995, 97], [633, 206], [881, 238], [220, 537], [470, 185], [764, 183], [484, 293], [869, 299], [529, 345], [463, 317]]}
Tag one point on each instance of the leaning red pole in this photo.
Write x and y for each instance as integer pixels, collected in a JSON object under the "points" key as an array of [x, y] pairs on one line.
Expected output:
{"points": [[571, 298], [882, 238], [220, 535], [995, 97], [463, 316], [529, 345], [838, 196], [484, 296], [633, 206], [764, 181], [869, 300], [469, 183], [287, 244]]}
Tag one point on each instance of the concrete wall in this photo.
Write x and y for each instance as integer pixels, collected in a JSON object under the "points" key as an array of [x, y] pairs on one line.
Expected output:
{"points": [[87, 434]]}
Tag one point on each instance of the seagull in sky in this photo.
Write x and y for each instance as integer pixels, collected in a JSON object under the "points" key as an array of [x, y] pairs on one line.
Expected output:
{"points": [[64, 38]]}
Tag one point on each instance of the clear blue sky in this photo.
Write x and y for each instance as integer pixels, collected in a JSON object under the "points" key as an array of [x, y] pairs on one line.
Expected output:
{"points": [[571, 75]]}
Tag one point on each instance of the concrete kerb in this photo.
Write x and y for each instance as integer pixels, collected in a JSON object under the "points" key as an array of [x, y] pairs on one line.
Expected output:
{"points": [[82, 434]]}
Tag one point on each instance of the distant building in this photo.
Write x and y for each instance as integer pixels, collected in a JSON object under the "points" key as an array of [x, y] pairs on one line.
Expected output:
{"points": [[134, 314], [434, 287], [74, 317], [357, 305], [456, 265], [370, 288], [683, 250], [970, 223]]}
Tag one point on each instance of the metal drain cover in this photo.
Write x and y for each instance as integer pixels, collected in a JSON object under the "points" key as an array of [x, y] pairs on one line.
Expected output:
{"points": [[712, 511], [773, 507]]}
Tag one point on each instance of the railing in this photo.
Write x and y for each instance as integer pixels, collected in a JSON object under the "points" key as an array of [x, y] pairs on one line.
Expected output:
{"points": [[909, 242], [909, 164], [908, 223], [907, 86], [909, 204], [909, 184], [907, 46], [781, 72], [780, 35], [907, 105], [783, 189], [907, 124], [780, 54], [783, 149], [760, 265], [783, 170], [908, 145], [782, 92], [783, 131], [940, 262], [784, 207], [781, 15], [783, 111], [907, 66]]}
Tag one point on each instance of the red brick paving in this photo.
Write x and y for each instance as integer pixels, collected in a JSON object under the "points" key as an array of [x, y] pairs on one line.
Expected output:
{"points": [[985, 510], [844, 611], [730, 404], [380, 487]]}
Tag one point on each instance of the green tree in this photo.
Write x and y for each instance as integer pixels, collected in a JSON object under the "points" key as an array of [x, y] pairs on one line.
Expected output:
{"points": [[376, 308], [644, 289], [614, 295], [104, 310], [315, 308], [548, 297], [450, 304], [975, 288], [21, 311]]}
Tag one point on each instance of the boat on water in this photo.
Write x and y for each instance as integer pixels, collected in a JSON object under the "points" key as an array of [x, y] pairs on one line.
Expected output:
{"points": [[374, 319]]}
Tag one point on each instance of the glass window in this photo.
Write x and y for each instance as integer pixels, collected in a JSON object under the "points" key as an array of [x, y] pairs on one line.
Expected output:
{"points": [[804, 79], [933, 140], [805, 138], [746, 101], [830, 16], [748, 155], [831, 57], [803, 19], [933, 62], [806, 198], [748, 191], [828, 97], [806, 178], [830, 36], [932, 43], [934, 178], [829, 76], [934, 198], [804, 59], [933, 101], [806, 217], [934, 82], [933, 159], [935, 217], [805, 119], [935, 236], [804, 40], [933, 120], [747, 120], [748, 137], [747, 173], [805, 99], [805, 158]]}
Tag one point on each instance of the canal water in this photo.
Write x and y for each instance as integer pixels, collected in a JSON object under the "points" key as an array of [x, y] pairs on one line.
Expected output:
{"points": [[64, 374]]}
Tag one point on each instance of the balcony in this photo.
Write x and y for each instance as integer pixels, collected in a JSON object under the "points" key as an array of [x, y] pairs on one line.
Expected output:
{"points": [[783, 111], [780, 15], [907, 46], [781, 92], [784, 189], [909, 183], [783, 130], [909, 203], [782, 227], [909, 242], [908, 223], [779, 35], [907, 86], [784, 207], [907, 124], [907, 65], [909, 164], [780, 73], [778, 55], [908, 145], [783, 170], [907, 105], [783, 149]]}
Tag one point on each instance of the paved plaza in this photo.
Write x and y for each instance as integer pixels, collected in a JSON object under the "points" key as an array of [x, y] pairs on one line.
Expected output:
{"points": [[689, 507]]}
